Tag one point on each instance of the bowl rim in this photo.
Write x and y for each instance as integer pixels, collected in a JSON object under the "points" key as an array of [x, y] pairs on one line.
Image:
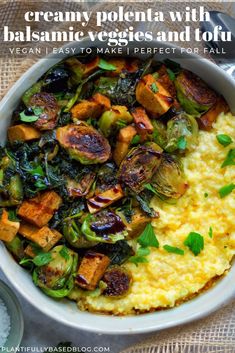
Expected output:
{"points": [[17, 311], [209, 301]]}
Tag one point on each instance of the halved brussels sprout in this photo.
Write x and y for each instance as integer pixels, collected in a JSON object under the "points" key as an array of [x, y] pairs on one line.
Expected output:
{"points": [[16, 247], [73, 234], [104, 227], [159, 133], [117, 282], [48, 109], [56, 279], [193, 94], [110, 118], [139, 166], [169, 179], [182, 133], [84, 143]]}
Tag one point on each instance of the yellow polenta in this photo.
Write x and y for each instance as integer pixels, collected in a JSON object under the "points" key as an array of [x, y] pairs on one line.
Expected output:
{"points": [[168, 277]]}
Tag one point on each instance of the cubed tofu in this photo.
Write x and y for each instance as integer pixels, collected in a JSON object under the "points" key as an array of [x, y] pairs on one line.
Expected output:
{"points": [[138, 223], [105, 199], [8, 229], [124, 139], [91, 270], [44, 237], [142, 122], [206, 121], [39, 210], [153, 96], [22, 132]]}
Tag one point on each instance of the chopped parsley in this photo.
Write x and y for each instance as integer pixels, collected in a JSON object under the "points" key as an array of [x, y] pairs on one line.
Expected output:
{"points": [[148, 237], [210, 232], [145, 240], [230, 158], [226, 190], [103, 64], [154, 88], [173, 249], [224, 140], [171, 74], [135, 140], [39, 260], [195, 242], [27, 117], [206, 194]]}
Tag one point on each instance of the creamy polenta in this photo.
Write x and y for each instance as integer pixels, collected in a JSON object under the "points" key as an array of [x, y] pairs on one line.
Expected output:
{"points": [[168, 278]]}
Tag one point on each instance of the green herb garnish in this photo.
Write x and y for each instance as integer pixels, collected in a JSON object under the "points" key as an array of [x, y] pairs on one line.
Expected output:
{"points": [[230, 158], [181, 143], [210, 232], [206, 194], [171, 74], [173, 249], [224, 140], [148, 237], [226, 190], [37, 111], [150, 188], [103, 64], [154, 88], [135, 140], [195, 242], [39, 260]]}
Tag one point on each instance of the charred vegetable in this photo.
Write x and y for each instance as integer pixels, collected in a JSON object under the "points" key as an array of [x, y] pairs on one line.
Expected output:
{"points": [[169, 178], [104, 227], [110, 119], [139, 166], [193, 94], [182, 133], [56, 278], [117, 282], [84, 143]]}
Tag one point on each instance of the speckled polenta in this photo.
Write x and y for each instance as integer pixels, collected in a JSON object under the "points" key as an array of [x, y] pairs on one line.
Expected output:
{"points": [[167, 277]]}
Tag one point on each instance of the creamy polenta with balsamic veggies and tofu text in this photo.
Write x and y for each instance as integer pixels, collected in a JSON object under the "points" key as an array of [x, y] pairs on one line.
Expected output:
{"points": [[117, 184]]}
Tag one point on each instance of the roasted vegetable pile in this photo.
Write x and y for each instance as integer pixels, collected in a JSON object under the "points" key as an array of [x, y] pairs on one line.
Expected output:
{"points": [[91, 143]]}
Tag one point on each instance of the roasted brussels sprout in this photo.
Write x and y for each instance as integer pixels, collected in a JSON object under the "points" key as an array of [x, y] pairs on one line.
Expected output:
{"points": [[118, 281], [16, 247], [73, 234], [182, 133], [139, 166], [169, 179], [105, 227], [82, 187], [107, 86], [109, 119], [159, 133], [56, 80], [193, 94], [36, 88], [84, 143], [56, 278], [48, 110]]}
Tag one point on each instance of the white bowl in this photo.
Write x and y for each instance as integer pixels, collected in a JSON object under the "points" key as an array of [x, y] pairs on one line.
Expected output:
{"points": [[65, 311]]}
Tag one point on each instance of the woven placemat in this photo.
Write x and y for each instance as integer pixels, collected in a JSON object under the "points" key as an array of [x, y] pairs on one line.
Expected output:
{"points": [[216, 334]]}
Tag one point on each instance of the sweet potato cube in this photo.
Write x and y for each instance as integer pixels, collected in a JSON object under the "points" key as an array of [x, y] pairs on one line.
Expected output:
{"points": [[153, 96], [105, 199], [103, 101], [91, 66], [142, 122], [44, 237], [124, 139], [206, 121], [8, 229], [22, 132], [91, 270], [85, 109], [40, 209]]}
